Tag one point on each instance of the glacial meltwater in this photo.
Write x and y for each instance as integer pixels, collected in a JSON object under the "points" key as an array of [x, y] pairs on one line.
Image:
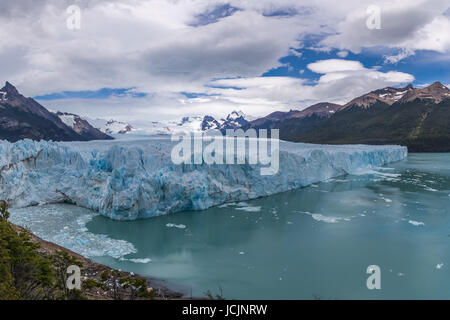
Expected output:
{"points": [[314, 242]]}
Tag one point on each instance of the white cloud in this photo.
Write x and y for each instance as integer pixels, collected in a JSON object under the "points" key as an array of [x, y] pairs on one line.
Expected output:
{"points": [[409, 25], [433, 36], [398, 57], [268, 83], [335, 65], [336, 70], [341, 81], [145, 44], [295, 53], [152, 46]]}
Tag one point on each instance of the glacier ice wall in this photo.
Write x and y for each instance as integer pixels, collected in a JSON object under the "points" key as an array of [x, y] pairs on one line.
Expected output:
{"points": [[127, 180]]}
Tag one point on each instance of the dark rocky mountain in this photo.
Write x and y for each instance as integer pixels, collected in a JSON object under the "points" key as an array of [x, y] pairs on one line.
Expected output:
{"points": [[22, 117], [387, 95], [417, 118], [208, 123], [294, 122], [322, 109], [82, 127], [435, 93], [234, 120]]}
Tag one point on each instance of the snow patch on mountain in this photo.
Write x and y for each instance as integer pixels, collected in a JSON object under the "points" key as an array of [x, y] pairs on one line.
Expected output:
{"points": [[68, 119], [111, 126], [196, 124]]}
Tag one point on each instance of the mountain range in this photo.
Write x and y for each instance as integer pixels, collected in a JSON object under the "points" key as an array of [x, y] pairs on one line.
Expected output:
{"points": [[415, 117], [22, 117], [199, 123], [110, 126]]}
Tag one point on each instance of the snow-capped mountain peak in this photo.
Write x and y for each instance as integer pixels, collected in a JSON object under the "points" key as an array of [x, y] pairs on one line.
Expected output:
{"points": [[209, 123], [239, 114], [235, 115], [197, 123], [435, 93], [234, 120], [23, 117], [81, 126], [110, 126], [388, 95]]}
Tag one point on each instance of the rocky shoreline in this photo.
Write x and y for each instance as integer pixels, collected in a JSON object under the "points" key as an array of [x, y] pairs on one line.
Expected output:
{"points": [[91, 270]]}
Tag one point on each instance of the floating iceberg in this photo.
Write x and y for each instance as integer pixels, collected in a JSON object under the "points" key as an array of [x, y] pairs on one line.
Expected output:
{"points": [[134, 179]]}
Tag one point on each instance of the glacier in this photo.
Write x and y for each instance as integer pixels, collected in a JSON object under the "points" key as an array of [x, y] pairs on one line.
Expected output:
{"points": [[136, 179]]}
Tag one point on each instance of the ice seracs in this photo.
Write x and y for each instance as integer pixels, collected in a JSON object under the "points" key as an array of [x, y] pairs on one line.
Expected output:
{"points": [[127, 180]]}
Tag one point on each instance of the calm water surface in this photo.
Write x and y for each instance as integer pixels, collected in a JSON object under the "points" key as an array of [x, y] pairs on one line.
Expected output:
{"points": [[313, 242], [310, 243]]}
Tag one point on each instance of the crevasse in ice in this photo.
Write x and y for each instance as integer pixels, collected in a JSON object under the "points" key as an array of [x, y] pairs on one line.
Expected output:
{"points": [[133, 179]]}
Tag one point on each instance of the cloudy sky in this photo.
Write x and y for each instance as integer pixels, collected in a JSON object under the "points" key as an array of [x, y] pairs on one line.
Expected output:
{"points": [[139, 61]]}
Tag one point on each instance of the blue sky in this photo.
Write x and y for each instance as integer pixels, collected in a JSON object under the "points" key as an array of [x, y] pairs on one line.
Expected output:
{"points": [[137, 60], [426, 66], [103, 93]]}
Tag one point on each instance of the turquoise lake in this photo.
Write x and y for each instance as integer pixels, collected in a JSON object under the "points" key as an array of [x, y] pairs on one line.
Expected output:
{"points": [[311, 243]]}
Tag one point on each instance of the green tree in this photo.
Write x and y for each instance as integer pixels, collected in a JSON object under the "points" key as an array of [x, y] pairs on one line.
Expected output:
{"points": [[61, 261], [121, 287], [24, 273], [4, 214]]}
